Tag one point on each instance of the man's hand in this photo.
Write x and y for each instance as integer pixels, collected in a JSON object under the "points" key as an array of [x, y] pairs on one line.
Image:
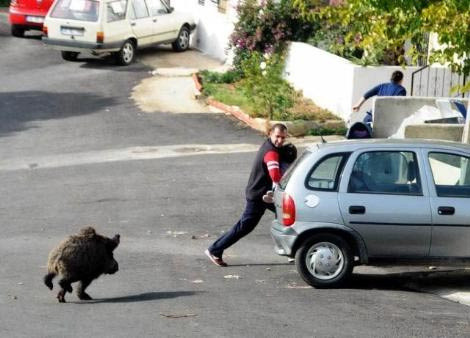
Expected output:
{"points": [[269, 197]]}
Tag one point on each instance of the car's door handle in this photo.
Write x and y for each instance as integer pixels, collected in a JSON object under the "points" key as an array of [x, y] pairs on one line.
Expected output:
{"points": [[446, 210], [132, 23], [154, 20], [357, 209]]}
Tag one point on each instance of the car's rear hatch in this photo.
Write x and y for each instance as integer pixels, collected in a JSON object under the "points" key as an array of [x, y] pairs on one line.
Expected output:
{"points": [[280, 197], [74, 20]]}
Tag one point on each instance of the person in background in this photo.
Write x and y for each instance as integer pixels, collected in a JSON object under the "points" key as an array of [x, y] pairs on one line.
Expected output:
{"points": [[264, 173], [392, 88]]}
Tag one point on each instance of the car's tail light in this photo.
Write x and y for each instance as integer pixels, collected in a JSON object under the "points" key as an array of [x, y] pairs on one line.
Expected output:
{"points": [[288, 210], [44, 31], [99, 37]]}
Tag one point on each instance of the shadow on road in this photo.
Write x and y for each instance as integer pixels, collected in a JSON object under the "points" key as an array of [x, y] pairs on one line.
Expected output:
{"points": [[108, 62], [143, 297], [19, 109], [409, 280], [257, 264]]}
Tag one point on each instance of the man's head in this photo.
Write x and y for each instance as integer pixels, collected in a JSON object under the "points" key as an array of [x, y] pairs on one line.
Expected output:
{"points": [[278, 134], [397, 77]]}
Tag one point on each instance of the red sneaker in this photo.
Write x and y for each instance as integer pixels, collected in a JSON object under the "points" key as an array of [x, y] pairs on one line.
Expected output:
{"points": [[216, 260]]}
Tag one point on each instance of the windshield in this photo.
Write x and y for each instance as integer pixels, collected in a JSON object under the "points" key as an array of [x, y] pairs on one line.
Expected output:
{"points": [[82, 10], [288, 174]]}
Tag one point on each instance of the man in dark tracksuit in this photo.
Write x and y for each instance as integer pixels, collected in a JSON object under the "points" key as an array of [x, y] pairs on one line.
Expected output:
{"points": [[264, 174], [392, 88]]}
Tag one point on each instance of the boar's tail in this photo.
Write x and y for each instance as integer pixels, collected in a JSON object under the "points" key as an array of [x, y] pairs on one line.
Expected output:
{"points": [[48, 279]]}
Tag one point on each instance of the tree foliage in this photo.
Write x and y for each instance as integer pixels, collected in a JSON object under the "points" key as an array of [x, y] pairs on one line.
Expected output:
{"points": [[375, 31], [265, 27]]}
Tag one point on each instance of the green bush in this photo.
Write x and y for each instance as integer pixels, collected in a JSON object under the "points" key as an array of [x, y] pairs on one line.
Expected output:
{"points": [[321, 131], [263, 83], [4, 3], [229, 76]]}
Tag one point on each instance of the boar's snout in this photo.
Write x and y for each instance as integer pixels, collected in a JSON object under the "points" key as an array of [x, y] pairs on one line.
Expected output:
{"points": [[112, 268]]}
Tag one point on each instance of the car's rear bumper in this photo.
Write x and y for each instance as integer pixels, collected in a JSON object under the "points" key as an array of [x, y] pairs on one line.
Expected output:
{"points": [[20, 18], [78, 46], [284, 238]]}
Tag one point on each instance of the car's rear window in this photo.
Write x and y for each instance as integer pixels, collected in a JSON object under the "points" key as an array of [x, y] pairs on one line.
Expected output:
{"points": [[82, 10], [290, 170]]}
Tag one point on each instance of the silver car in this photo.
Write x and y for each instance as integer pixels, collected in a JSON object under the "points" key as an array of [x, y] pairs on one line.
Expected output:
{"points": [[373, 202]]}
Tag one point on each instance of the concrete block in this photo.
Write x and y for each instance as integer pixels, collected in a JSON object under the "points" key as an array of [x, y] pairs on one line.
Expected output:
{"points": [[435, 131], [466, 129], [389, 112]]}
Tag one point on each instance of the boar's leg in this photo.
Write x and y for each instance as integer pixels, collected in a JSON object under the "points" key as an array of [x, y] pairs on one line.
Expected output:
{"points": [[65, 287], [61, 296], [82, 285]]}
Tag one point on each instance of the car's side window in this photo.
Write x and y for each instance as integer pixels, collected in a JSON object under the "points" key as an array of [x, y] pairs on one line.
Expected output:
{"points": [[139, 9], [116, 10], [326, 172], [157, 7], [386, 172], [451, 174]]}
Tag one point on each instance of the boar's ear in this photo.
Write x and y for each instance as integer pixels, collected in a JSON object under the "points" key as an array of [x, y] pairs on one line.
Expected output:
{"points": [[87, 231], [114, 242]]}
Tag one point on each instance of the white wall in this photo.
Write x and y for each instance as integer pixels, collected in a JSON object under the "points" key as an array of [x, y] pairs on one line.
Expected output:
{"points": [[323, 77], [335, 83], [213, 28]]}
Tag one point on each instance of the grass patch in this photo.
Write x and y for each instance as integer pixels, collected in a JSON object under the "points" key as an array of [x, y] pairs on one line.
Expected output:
{"points": [[229, 89]]}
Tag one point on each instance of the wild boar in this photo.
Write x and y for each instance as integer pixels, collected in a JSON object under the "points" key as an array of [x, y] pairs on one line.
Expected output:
{"points": [[81, 258]]}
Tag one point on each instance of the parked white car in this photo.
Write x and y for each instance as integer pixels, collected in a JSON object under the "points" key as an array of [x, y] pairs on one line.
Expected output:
{"points": [[114, 26]]}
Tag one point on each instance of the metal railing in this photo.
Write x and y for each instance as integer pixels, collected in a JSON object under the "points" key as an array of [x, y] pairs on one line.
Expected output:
{"points": [[437, 82]]}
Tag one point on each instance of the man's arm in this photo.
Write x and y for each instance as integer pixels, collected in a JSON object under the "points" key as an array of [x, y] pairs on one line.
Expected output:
{"points": [[372, 92], [271, 158]]}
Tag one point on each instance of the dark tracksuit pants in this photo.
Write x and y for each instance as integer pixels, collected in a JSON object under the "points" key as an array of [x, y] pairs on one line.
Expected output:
{"points": [[250, 218]]}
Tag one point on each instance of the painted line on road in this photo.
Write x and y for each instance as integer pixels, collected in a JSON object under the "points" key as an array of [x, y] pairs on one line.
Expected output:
{"points": [[125, 154]]}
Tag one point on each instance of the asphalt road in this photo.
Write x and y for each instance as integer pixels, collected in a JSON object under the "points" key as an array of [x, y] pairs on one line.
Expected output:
{"points": [[69, 135]]}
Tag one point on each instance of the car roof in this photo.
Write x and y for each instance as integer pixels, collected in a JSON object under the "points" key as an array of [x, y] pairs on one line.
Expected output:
{"points": [[352, 145]]}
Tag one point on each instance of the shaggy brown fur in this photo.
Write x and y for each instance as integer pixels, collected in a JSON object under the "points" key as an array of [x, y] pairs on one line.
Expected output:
{"points": [[81, 258]]}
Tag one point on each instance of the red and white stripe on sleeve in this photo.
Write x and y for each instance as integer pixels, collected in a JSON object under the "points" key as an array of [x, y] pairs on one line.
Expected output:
{"points": [[271, 158]]}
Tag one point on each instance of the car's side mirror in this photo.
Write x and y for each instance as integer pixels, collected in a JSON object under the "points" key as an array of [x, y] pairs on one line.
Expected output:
{"points": [[171, 9]]}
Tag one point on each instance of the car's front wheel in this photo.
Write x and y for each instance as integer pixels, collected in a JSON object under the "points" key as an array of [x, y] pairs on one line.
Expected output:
{"points": [[126, 54], [324, 260], [69, 56], [17, 31], [182, 42]]}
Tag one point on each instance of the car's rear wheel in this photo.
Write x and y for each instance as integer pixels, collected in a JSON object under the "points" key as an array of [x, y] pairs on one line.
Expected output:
{"points": [[69, 56], [324, 260], [182, 42], [126, 54], [17, 31]]}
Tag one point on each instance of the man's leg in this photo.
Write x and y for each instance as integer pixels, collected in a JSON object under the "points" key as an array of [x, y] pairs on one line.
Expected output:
{"points": [[252, 214]]}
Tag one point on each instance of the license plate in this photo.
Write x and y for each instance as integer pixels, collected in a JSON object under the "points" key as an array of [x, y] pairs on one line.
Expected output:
{"points": [[72, 31], [35, 19]]}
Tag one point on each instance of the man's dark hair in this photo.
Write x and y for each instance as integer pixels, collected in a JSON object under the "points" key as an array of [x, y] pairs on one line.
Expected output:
{"points": [[397, 76], [279, 126]]}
